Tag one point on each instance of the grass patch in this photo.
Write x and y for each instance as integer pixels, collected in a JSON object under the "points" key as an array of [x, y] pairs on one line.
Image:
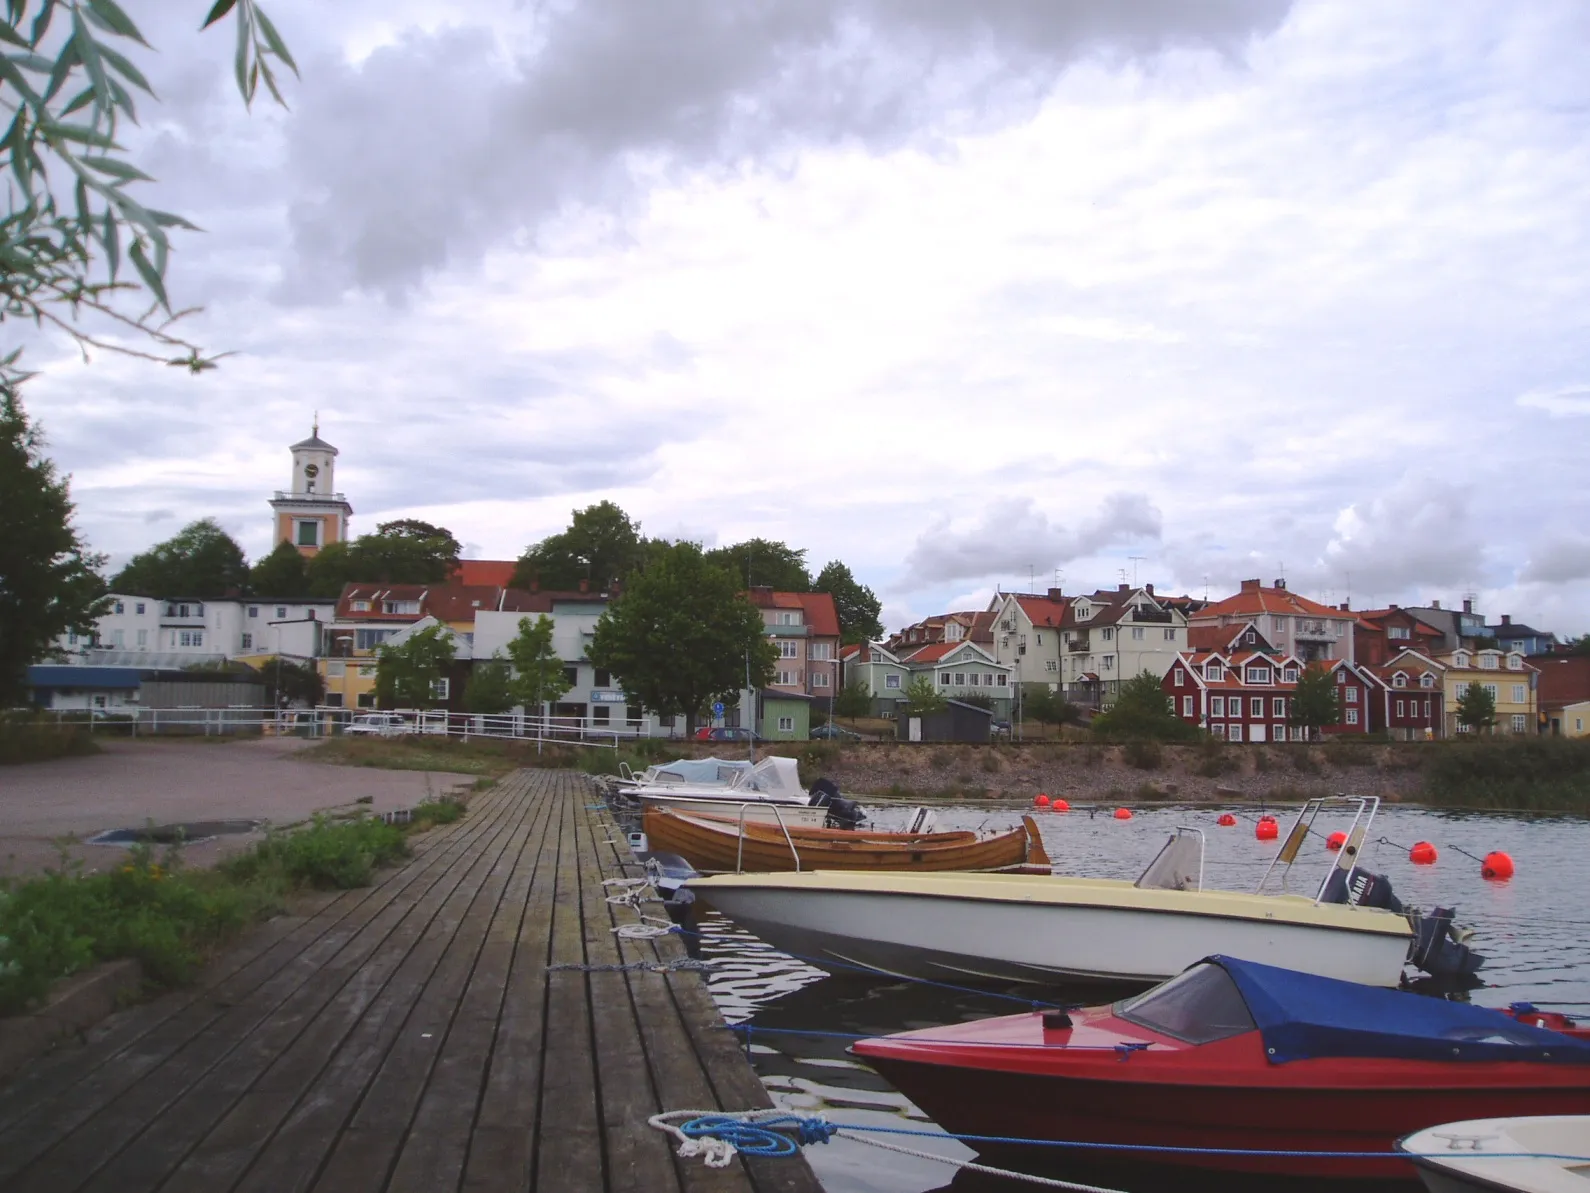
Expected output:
{"points": [[28, 738], [478, 756], [1532, 774], [171, 918]]}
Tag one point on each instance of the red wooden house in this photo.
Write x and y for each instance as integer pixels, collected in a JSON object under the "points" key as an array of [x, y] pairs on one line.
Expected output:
{"points": [[1413, 696], [1380, 635], [1359, 699], [1240, 696]]}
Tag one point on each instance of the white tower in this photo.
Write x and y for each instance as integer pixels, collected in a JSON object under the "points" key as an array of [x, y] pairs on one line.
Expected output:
{"points": [[311, 514]]}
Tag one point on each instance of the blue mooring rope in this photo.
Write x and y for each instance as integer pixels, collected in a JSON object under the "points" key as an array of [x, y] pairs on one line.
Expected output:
{"points": [[759, 1138]]}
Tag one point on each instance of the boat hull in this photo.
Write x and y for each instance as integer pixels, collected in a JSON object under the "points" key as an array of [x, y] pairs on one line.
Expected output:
{"points": [[1513, 1154], [720, 845], [917, 934], [757, 811]]}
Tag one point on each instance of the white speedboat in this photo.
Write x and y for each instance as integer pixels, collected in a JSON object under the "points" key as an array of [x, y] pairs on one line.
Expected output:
{"points": [[769, 792], [695, 772], [1045, 929], [1545, 1154]]}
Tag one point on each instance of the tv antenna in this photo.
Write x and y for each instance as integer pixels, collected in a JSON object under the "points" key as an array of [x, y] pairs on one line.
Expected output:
{"points": [[1136, 559]]}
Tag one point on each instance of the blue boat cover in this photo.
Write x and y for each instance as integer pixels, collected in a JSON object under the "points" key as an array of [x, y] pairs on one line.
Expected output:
{"points": [[1301, 1015]]}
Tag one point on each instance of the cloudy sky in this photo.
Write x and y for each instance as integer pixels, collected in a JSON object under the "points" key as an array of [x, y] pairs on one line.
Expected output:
{"points": [[963, 293]]}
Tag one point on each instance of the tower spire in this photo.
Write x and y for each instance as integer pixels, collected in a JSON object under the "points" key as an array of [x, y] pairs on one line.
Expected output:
{"points": [[315, 428]]}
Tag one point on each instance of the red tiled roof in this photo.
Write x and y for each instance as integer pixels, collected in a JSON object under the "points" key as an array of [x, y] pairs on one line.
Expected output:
{"points": [[932, 653], [822, 619], [766, 598], [445, 602], [496, 572], [1042, 611], [1258, 599]]}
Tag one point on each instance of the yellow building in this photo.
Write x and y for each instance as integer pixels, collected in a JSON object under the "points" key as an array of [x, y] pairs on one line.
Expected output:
{"points": [[1572, 720], [1510, 680]]}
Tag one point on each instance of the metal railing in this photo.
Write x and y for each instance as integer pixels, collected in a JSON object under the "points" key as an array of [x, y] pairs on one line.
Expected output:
{"points": [[739, 853]]}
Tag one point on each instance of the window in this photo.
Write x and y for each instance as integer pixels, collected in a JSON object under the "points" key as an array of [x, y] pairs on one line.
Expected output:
{"points": [[253, 610], [1109, 662], [786, 617], [1256, 707], [336, 669], [1289, 675], [1341, 677], [1514, 663], [1397, 631], [191, 638], [1181, 680], [1170, 635], [819, 651], [1039, 638], [1459, 690], [786, 724], [353, 607], [1490, 690], [571, 676], [120, 607], [1278, 706], [1137, 633], [367, 670], [603, 678], [440, 688], [788, 649], [1427, 680], [1399, 680], [1427, 708], [601, 714], [1217, 706], [1186, 706], [976, 679], [248, 641], [819, 679], [1234, 732], [1487, 661], [891, 682], [1048, 665], [1520, 693], [333, 699], [1460, 659], [1004, 680], [1108, 633], [1352, 716], [1256, 674], [1170, 705], [1352, 695], [1278, 624], [1214, 671], [143, 637], [366, 699], [1399, 708], [281, 610], [139, 608], [960, 679], [1218, 731], [308, 533], [400, 606]]}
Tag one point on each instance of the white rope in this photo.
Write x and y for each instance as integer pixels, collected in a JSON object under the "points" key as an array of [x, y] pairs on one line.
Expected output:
{"points": [[634, 892], [1046, 1181], [649, 928], [716, 1152]]}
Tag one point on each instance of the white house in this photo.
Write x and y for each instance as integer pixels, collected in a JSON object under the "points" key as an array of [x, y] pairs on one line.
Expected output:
{"points": [[1027, 635], [179, 631], [1116, 634]]}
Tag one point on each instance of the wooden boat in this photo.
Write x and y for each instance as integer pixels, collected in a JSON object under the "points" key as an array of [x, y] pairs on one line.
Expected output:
{"points": [[1545, 1154], [713, 843], [1237, 1066]]}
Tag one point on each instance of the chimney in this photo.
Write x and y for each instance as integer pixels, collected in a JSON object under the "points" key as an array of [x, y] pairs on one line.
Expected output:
{"points": [[1435, 604], [1393, 607], [1148, 588], [1507, 619], [585, 586], [1343, 607], [1468, 606], [1054, 594], [1280, 583], [1250, 586], [1123, 588]]}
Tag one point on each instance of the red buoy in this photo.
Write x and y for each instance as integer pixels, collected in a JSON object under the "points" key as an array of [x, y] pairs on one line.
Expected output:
{"points": [[1060, 804], [1423, 854], [1040, 800], [1497, 865], [1335, 841], [1266, 829], [1226, 820], [1123, 813]]}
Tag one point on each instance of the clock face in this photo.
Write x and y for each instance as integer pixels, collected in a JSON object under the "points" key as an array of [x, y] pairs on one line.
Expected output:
{"points": [[311, 470]]}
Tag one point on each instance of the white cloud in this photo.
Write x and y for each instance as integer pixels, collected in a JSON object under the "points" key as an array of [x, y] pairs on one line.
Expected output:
{"points": [[1572, 400]]}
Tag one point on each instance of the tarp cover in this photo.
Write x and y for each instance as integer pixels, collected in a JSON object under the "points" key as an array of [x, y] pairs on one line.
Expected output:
{"points": [[1300, 1015], [773, 776], [699, 770]]}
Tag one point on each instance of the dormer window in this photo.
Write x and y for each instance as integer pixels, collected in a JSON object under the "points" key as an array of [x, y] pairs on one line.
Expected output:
{"points": [[1460, 659], [1487, 661], [1289, 675], [1515, 663], [1214, 671], [1399, 680], [1427, 680], [358, 606], [1253, 674]]}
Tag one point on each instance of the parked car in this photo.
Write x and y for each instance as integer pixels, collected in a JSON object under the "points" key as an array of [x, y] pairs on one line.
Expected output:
{"points": [[832, 732], [1000, 728], [378, 724], [733, 733]]}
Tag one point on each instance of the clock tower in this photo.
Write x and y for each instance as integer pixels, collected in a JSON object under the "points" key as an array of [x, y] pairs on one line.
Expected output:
{"points": [[311, 514]]}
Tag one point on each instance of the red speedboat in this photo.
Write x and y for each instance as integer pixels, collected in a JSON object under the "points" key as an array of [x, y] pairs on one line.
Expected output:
{"points": [[1231, 1057]]}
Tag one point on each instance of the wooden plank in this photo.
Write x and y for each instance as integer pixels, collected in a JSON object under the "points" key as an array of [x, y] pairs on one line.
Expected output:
{"points": [[114, 1102], [502, 1144]]}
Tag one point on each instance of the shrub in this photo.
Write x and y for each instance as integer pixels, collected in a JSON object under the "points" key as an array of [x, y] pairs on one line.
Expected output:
{"points": [[942, 758], [991, 763], [329, 854], [25, 737], [1214, 759], [1303, 759], [1144, 755], [1542, 773]]}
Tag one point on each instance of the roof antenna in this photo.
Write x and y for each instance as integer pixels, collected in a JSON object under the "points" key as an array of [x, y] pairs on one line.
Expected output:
{"points": [[1136, 559], [1206, 588], [1032, 578]]}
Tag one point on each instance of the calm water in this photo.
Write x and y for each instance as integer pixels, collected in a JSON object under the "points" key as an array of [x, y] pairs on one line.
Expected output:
{"points": [[1532, 930]]}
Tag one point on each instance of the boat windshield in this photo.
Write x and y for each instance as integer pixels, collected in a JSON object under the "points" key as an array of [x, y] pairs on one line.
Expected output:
{"points": [[1199, 1006]]}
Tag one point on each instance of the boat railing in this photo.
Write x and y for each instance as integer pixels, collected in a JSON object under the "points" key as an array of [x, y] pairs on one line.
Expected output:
{"points": [[739, 850], [1187, 828], [1364, 808]]}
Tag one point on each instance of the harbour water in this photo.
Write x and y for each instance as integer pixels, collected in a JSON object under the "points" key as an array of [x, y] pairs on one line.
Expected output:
{"points": [[798, 1020]]}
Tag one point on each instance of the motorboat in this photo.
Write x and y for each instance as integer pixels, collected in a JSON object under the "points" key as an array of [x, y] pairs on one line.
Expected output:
{"points": [[772, 782], [1054, 930], [1231, 1065], [713, 843], [1548, 1153], [695, 772]]}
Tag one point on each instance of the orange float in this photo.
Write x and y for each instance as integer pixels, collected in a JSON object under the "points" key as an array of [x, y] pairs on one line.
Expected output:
{"points": [[1497, 865], [1123, 813]]}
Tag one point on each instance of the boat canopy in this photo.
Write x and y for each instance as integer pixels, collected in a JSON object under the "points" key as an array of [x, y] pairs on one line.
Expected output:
{"points": [[1301, 1016], [772, 776], [699, 770]]}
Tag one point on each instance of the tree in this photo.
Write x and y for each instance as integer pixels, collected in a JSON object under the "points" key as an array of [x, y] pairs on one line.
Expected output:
{"points": [[1314, 701], [404, 552], [490, 688], [1141, 712], [1579, 646], [601, 545], [857, 605], [70, 218], [539, 675], [200, 560], [1476, 708], [48, 578], [329, 570], [922, 697], [282, 573], [1040, 704], [852, 701], [761, 563], [682, 635], [408, 672], [292, 683]]}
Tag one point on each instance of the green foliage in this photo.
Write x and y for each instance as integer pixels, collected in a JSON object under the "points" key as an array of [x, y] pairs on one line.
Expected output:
{"points": [[201, 560], [1315, 703], [682, 635], [329, 570], [1040, 704], [922, 696], [292, 683], [71, 222], [601, 545], [407, 672], [490, 688], [282, 573], [539, 675], [977, 700], [406, 551], [762, 563], [1476, 708], [1214, 758], [852, 700], [1579, 645], [49, 582], [26, 737], [1141, 712], [330, 855], [1509, 772], [857, 605]]}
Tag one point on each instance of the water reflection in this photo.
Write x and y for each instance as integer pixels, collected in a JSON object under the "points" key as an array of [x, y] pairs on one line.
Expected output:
{"points": [[798, 1021]]}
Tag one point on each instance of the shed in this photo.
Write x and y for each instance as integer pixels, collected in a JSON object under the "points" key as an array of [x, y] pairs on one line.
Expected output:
{"points": [[956, 721], [786, 716]]}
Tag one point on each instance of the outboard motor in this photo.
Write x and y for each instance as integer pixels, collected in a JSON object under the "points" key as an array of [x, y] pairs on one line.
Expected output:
{"points": [[1366, 890], [842, 813], [1440, 947]]}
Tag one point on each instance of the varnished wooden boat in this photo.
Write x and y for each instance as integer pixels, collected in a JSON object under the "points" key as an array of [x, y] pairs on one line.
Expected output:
{"points": [[714, 844]]}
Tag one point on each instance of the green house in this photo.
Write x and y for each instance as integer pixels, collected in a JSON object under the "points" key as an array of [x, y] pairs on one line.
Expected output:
{"points": [[784, 716]]}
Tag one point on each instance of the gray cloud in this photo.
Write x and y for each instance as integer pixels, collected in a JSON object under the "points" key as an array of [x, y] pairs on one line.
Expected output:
{"points": [[1558, 561], [1014, 534], [1419, 533], [436, 147]]}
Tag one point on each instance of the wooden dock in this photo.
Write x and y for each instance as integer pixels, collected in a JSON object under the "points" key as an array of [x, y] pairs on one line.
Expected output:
{"points": [[411, 1037]]}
